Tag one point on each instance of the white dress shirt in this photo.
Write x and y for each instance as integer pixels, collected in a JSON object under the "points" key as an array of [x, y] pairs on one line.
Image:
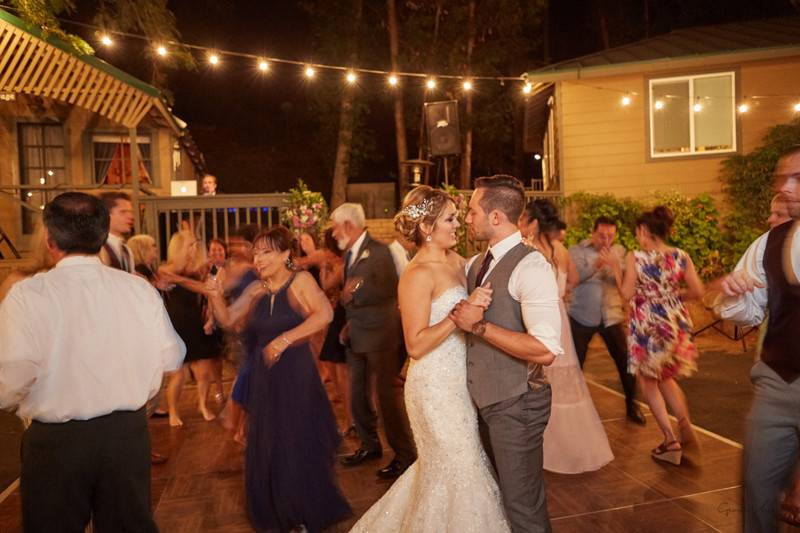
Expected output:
{"points": [[120, 248], [533, 284], [399, 256], [749, 309], [83, 340], [356, 248]]}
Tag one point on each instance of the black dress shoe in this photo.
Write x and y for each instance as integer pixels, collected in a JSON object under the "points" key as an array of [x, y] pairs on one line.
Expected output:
{"points": [[360, 456], [392, 470], [635, 415]]}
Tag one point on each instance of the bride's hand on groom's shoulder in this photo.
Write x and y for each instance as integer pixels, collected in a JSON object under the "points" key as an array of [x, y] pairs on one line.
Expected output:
{"points": [[481, 296], [465, 315]]}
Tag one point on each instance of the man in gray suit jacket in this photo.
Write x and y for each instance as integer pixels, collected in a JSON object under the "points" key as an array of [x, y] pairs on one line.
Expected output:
{"points": [[373, 330], [507, 347]]}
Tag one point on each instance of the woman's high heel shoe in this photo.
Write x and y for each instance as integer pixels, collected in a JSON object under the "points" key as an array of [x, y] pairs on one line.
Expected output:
{"points": [[668, 452]]}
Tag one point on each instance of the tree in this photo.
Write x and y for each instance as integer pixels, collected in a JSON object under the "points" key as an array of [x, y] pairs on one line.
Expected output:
{"points": [[399, 112]]}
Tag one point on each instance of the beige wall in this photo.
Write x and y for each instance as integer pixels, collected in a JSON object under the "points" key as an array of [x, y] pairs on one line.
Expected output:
{"points": [[604, 145]]}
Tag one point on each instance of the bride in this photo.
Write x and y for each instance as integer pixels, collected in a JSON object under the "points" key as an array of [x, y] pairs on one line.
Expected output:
{"points": [[450, 487]]}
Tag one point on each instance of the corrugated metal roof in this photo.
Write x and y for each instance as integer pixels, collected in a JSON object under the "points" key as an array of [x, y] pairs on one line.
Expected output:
{"points": [[731, 38]]}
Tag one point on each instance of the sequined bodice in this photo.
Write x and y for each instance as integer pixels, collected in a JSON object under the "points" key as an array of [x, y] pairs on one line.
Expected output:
{"points": [[450, 487]]}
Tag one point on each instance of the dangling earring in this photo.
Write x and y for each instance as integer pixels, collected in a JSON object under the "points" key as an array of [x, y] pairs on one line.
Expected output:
{"points": [[428, 238], [289, 263]]}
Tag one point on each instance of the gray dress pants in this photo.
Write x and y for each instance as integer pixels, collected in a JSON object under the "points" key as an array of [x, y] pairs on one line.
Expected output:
{"points": [[771, 447], [512, 432]]}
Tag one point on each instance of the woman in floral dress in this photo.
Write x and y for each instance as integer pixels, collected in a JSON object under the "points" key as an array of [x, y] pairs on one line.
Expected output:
{"points": [[657, 280]]}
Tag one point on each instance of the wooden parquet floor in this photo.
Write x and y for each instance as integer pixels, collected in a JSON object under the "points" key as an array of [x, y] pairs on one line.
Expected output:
{"points": [[200, 488]]}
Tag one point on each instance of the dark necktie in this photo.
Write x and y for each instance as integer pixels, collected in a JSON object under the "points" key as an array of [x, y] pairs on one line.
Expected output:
{"points": [[124, 258], [484, 269], [347, 257]]}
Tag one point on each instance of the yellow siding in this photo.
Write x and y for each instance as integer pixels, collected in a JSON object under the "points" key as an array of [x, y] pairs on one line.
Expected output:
{"points": [[604, 145]]}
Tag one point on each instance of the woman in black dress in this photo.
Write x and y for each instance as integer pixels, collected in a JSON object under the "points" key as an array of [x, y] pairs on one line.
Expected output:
{"points": [[186, 267], [292, 437]]}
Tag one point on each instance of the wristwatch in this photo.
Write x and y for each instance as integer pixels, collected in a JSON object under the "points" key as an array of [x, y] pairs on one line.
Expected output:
{"points": [[479, 328]]}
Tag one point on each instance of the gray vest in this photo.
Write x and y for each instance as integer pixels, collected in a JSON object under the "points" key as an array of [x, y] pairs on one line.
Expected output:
{"points": [[493, 375]]}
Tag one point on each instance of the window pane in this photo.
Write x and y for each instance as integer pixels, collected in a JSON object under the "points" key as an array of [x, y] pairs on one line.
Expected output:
{"points": [[31, 134], [53, 135], [33, 158], [54, 157], [713, 113], [670, 103]]}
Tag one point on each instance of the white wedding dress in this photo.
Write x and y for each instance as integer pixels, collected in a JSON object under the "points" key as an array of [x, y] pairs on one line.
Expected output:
{"points": [[574, 440], [450, 487]]}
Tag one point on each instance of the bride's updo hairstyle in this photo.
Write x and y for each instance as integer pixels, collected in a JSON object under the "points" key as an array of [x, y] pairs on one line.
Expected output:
{"points": [[422, 205]]}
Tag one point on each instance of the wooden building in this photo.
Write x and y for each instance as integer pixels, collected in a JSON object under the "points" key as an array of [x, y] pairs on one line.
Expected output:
{"points": [[662, 113], [72, 121]]}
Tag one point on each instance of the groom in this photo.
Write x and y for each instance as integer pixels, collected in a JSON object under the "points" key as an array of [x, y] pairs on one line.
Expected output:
{"points": [[508, 346]]}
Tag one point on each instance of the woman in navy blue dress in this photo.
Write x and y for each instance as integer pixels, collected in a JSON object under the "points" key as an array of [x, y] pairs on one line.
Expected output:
{"points": [[292, 436]]}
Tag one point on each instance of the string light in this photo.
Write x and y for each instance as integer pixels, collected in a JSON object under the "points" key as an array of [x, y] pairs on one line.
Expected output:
{"points": [[393, 80], [42, 181], [744, 108], [626, 100], [161, 50], [310, 72], [263, 66], [351, 77], [527, 88], [797, 107], [213, 59], [106, 40], [659, 104], [431, 83], [697, 106], [467, 85]]}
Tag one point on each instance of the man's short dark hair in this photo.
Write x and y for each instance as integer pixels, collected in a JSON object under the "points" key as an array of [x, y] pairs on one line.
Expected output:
{"points": [[246, 232], [604, 221], [76, 223], [504, 193], [110, 198]]}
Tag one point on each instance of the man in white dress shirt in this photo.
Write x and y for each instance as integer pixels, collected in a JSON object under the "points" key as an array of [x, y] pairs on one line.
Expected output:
{"points": [[115, 252], [766, 278], [82, 349], [507, 347]]}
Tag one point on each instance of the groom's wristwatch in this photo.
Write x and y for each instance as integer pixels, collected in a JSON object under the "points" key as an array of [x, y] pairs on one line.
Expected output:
{"points": [[479, 327]]}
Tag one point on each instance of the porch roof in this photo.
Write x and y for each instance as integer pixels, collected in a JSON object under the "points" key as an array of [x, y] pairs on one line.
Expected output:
{"points": [[37, 63], [707, 45]]}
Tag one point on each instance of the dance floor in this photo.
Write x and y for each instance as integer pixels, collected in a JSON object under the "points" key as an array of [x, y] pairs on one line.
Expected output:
{"points": [[200, 488]]}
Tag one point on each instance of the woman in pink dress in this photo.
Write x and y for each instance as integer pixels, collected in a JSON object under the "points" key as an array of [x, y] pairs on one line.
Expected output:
{"points": [[657, 280]]}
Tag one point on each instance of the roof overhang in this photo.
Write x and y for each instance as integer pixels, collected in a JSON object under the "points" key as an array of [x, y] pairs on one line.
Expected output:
{"points": [[35, 63], [656, 65]]}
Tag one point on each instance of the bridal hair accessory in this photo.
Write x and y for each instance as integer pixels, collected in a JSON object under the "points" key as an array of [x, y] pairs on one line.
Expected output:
{"points": [[419, 211]]}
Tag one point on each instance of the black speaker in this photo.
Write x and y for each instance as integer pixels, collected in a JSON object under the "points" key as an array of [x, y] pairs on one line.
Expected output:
{"points": [[441, 119]]}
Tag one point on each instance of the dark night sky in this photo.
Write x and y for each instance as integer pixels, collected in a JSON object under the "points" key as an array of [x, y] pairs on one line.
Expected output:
{"points": [[256, 131]]}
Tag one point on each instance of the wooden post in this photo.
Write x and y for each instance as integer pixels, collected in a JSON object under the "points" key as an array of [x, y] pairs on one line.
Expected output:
{"points": [[134, 150]]}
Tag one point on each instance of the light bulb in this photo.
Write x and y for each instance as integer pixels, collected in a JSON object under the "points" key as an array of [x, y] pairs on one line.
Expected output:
{"points": [[30, 194], [467, 85], [351, 77], [162, 51], [626, 100], [106, 40], [42, 181], [744, 108], [392, 80], [697, 107], [263, 66], [527, 88], [797, 107], [431, 83], [213, 59], [659, 104], [537, 157], [310, 72]]}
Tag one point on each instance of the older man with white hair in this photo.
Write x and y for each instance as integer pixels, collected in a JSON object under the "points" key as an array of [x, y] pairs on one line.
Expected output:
{"points": [[372, 336]]}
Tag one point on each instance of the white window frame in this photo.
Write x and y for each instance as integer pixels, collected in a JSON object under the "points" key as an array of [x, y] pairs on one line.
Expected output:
{"points": [[692, 149], [116, 137]]}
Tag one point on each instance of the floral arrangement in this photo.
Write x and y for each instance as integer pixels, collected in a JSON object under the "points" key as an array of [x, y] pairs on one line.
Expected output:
{"points": [[305, 211]]}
